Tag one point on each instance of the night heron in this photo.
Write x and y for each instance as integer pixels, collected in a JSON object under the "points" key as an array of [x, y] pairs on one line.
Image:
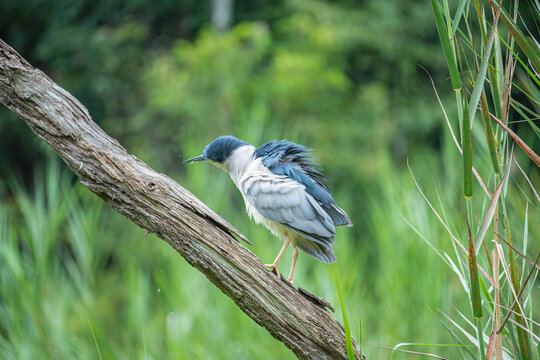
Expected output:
{"points": [[284, 189]]}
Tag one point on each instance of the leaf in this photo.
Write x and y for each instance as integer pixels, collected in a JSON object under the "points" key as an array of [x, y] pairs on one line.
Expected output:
{"points": [[488, 130], [481, 76], [447, 47], [458, 15], [350, 349], [490, 350], [475, 172], [489, 214], [526, 44], [467, 155], [475, 287], [534, 157]]}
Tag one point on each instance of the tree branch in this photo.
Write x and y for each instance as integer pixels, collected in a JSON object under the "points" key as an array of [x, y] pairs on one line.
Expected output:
{"points": [[157, 203]]}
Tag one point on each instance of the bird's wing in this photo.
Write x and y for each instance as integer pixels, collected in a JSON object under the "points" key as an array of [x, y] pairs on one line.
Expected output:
{"points": [[316, 189], [294, 161], [283, 200]]}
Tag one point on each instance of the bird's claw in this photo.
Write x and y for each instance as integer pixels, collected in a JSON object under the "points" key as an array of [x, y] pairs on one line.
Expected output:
{"points": [[274, 269]]}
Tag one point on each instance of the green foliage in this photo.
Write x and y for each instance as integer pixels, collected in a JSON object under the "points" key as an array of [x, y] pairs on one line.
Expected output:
{"points": [[78, 281], [348, 338], [514, 339]]}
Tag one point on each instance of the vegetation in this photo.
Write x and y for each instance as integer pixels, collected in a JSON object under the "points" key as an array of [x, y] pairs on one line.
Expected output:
{"points": [[481, 58], [79, 281]]}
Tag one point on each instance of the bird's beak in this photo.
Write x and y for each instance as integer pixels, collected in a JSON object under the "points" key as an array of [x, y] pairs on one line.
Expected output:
{"points": [[196, 158]]}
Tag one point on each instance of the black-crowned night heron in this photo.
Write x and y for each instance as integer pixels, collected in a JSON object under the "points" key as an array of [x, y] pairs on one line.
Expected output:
{"points": [[284, 189]]}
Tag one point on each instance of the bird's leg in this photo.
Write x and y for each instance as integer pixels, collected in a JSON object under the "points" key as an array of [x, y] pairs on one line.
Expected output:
{"points": [[293, 264], [274, 265]]}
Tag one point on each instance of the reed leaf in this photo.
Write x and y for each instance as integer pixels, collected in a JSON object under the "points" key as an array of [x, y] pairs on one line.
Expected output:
{"points": [[447, 47], [488, 130], [476, 300], [467, 154], [497, 303], [530, 153], [492, 69], [350, 349], [535, 128], [514, 275], [481, 75], [489, 214], [459, 13], [527, 45], [490, 350]]}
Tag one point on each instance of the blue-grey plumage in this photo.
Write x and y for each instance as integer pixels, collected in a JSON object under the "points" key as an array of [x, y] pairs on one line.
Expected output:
{"points": [[284, 189]]}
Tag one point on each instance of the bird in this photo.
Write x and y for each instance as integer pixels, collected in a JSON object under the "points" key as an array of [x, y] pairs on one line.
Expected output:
{"points": [[284, 189]]}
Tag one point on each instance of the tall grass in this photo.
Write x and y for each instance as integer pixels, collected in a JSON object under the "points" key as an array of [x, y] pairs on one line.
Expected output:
{"points": [[79, 281], [487, 53]]}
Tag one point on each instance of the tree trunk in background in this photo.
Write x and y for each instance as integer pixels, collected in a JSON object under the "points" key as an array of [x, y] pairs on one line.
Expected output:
{"points": [[157, 203], [222, 12]]}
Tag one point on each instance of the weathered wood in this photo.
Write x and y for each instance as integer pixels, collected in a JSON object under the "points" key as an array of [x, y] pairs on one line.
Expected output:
{"points": [[157, 203]]}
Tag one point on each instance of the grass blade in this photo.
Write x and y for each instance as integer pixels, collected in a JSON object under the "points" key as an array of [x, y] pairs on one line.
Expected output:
{"points": [[516, 106], [447, 47], [489, 214], [481, 76], [497, 310], [488, 130], [397, 348], [518, 252], [514, 275], [476, 300], [459, 13], [528, 181], [350, 350], [520, 313], [467, 155], [518, 295], [527, 45], [94, 337], [475, 172], [490, 350], [530, 153], [475, 287]]}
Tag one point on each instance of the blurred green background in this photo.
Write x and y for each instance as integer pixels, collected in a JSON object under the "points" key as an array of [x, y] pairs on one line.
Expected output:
{"points": [[79, 281]]}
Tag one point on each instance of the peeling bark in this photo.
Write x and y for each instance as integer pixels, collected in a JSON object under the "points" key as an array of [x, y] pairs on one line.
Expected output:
{"points": [[158, 204]]}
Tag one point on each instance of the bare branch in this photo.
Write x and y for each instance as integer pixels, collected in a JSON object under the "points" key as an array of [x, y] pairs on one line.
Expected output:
{"points": [[161, 206]]}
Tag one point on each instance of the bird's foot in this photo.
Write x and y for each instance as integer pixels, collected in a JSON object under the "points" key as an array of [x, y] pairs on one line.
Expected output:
{"points": [[274, 268]]}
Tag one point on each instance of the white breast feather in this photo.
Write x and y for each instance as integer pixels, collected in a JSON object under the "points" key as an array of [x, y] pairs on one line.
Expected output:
{"points": [[244, 171]]}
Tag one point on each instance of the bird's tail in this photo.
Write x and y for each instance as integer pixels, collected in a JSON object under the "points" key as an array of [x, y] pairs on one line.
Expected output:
{"points": [[321, 252], [338, 216]]}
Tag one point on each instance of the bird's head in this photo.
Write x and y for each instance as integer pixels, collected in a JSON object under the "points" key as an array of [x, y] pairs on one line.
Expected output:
{"points": [[219, 150]]}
